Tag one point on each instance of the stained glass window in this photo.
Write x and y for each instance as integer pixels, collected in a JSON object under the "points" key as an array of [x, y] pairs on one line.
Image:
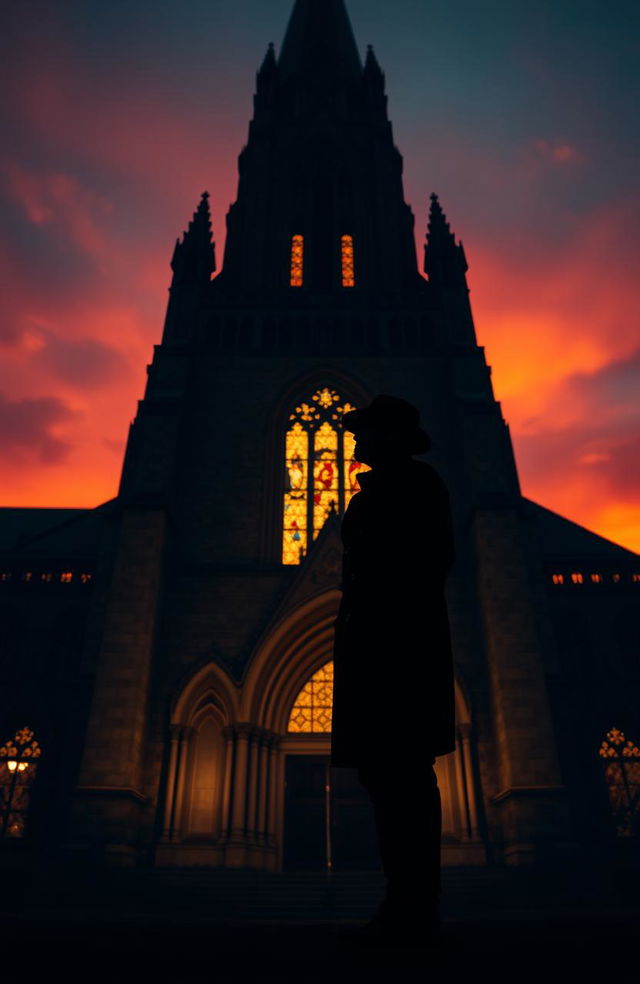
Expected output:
{"points": [[18, 765], [348, 268], [311, 712], [321, 473], [621, 760], [297, 261]]}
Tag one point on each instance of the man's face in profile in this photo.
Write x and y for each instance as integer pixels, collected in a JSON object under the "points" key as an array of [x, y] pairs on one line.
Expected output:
{"points": [[375, 445]]}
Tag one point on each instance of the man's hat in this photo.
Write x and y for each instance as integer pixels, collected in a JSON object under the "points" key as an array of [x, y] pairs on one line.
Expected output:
{"points": [[391, 414]]}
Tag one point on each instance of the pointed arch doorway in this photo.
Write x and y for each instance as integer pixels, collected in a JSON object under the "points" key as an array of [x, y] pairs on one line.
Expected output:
{"points": [[328, 817]]}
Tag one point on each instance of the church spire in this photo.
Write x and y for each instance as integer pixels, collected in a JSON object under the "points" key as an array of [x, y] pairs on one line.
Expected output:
{"points": [[320, 41]]}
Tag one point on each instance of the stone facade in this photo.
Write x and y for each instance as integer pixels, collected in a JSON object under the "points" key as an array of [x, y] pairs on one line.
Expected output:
{"points": [[189, 640]]}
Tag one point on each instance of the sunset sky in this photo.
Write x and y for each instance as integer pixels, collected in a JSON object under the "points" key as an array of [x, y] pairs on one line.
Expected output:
{"points": [[522, 117]]}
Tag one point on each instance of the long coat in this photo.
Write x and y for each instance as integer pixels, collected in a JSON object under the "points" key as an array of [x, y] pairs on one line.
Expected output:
{"points": [[393, 694]]}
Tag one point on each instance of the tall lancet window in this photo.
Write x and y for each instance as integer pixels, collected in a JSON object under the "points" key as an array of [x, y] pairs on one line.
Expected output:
{"points": [[297, 261], [321, 472], [348, 267]]}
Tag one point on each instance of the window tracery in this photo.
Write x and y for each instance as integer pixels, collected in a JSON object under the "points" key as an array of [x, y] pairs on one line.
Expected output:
{"points": [[621, 760], [311, 712], [18, 765], [321, 471]]}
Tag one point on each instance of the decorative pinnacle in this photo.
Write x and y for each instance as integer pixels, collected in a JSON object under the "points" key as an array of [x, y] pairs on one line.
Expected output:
{"points": [[437, 218], [269, 63], [196, 252]]}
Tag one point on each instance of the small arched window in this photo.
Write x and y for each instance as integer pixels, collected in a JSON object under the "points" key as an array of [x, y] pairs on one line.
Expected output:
{"points": [[312, 708], [321, 473], [621, 759], [18, 765]]}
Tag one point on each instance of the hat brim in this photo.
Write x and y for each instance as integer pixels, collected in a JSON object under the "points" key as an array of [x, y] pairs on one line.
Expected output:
{"points": [[413, 438]]}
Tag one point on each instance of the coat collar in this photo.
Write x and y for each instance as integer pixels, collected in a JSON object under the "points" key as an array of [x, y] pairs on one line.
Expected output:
{"points": [[386, 474]]}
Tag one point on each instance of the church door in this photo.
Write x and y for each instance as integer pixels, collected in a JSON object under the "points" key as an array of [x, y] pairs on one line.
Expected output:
{"points": [[323, 826]]}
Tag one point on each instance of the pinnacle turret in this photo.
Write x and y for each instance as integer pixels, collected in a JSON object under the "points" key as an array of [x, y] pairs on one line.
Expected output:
{"points": [[444, 259], [446, 266], [371, 64], [194, 256], [269, 65]]}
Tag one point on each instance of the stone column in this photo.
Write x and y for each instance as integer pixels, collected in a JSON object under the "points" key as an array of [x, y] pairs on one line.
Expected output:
{"points": [[228, 733], [467, 766], [465, 819], [170, 801], [238, 821], [180, 816], [274, 776], [254, 758], [264, 786]]}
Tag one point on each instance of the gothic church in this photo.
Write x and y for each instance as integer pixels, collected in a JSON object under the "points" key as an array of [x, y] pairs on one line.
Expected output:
{"points": [[166, 658]]}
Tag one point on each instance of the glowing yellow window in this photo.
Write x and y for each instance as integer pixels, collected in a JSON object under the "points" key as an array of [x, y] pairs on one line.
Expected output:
{"points": [[320, 473], [348, 268], [312, 709], [558, 578], [297, 261]]}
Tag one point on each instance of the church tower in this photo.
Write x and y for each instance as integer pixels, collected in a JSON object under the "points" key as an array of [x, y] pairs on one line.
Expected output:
{"points": [[208, 735]]}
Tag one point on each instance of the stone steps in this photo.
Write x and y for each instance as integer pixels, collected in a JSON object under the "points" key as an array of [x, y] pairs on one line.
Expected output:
{"points": [[196, 895]]}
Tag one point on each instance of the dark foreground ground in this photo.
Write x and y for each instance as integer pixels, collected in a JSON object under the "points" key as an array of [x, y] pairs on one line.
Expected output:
{"points": [[223, 927]]}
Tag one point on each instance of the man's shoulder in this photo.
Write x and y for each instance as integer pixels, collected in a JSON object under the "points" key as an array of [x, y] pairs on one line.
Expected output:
{"points": [[424, 474]]}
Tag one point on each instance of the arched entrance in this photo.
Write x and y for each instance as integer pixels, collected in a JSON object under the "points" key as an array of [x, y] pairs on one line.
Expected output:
{"points": [[323, 815], [248, 782]]}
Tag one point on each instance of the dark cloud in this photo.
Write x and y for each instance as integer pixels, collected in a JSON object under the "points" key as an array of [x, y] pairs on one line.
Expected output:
{"points": [[28, 429], [616, 387], [83, 362]]}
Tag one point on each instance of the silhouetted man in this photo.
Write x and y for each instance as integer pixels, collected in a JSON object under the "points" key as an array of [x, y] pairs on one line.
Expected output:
{"points": [[393, 710]]}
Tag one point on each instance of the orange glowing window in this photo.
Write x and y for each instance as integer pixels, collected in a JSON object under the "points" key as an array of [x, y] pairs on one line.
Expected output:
{"points": [[596, 578], [348, 268], [66, 577], [312, 709], [577, 578], [616, 578], [557, 578], [297, 261], [635, 578]]}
